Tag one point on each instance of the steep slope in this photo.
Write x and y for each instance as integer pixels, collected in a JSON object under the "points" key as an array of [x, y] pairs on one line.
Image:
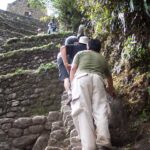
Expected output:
{"points": [[30, 92], [32, 114], [13, 25]]}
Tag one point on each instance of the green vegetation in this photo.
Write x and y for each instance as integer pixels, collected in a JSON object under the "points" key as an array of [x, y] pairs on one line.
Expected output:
{"points": [[145, 115], [19, 71], [70, 16], [39, 4], [42, 68], [37, 37], [134, 53], [45, 19], [99, 14], [45, 67], [22, 51]]}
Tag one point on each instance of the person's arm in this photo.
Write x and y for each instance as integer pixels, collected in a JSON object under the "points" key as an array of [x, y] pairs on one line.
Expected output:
{"points": [[64, 57], [73, 71], [110, 88], [74, 66]]}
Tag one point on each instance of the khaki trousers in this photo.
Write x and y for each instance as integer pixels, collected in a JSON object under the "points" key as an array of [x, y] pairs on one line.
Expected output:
{"points": [[90, 110]]}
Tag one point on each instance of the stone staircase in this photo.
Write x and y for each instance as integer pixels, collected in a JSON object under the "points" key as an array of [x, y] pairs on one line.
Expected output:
{"points": [[33, 110], [32, 41], [52, 132], [29, 52], [63, 135], [30, 92]]}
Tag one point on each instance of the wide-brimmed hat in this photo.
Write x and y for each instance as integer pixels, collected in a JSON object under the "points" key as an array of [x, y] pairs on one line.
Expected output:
{"points": [[84, 40]]}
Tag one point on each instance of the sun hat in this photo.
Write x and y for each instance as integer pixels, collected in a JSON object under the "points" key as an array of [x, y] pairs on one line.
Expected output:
{"points": [[84, 40]]}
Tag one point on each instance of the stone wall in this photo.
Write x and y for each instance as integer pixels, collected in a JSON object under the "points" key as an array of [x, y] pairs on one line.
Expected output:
{"points": [[23, 8], [27, 58], [54, 131], [30, 133], [29, 93]]}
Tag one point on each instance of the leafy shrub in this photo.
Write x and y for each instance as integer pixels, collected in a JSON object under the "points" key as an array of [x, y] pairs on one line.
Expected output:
{"points": [[45, 67], [134, 53], [45, 19]]}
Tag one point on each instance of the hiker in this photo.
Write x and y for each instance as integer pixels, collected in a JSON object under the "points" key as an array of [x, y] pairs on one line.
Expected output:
{"points": [[51, 26], [30, 14], [63, 73], [68, 51], [81, 29], [90, 108], [72, 49]]}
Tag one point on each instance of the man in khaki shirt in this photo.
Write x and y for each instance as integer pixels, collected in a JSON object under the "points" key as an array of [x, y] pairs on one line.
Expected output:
{"points": [[90, 107]]}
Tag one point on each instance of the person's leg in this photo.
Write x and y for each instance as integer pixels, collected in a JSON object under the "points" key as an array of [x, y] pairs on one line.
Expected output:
{"points": [[67, 85], [85, 130], [100, 112], [63, 74], [81, 111], [49, 31]]}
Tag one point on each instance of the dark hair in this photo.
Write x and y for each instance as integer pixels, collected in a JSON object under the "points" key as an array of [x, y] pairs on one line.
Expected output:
{"points": [[95, 45]]}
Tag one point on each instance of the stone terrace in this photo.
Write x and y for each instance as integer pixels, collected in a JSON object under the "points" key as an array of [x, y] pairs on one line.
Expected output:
{"points": [[17, 26], [32, 41], [30, 92]]}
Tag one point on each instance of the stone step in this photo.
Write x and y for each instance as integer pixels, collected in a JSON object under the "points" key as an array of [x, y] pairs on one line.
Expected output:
{"points": [[53, 148], [27, 59], [31, 41], [77, 148]]}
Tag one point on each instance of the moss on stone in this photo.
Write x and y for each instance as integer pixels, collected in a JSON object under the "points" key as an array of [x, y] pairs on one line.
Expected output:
{"points": [[41, 69], [45, 67], [38, 37], [20, 51]]}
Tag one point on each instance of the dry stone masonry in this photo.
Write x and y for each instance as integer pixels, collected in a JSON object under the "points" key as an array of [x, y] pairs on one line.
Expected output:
{"points": [[27, 132], [29, 93], [32, 41], [27, 58], [52, 132], [13, 25]]}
